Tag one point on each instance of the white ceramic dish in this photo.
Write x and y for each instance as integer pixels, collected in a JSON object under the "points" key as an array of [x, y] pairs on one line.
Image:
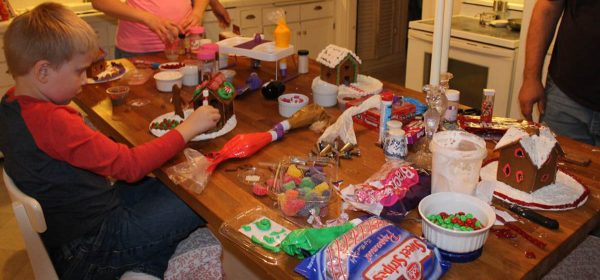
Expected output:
{"points": [[165, 80], [229, 126], [290, 103], [451, 240]]}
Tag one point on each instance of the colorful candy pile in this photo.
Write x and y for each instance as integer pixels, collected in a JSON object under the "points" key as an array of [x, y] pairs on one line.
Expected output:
{"points": [[459, 221], [165, 124], [303, 191], [296, 99]]}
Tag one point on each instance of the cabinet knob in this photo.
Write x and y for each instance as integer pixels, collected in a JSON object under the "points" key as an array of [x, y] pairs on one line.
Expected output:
{"points": [[318, 8], [298, 33], [304, 32], [250, 17]]}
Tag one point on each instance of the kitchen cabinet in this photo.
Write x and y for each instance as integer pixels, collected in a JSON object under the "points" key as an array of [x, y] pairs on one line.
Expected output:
{"points": [[311, 25], [6, 80], [211, 23], [105, 28]]}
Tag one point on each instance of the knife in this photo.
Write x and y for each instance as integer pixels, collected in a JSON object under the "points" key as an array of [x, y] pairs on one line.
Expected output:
{"points": [[531, 215]]}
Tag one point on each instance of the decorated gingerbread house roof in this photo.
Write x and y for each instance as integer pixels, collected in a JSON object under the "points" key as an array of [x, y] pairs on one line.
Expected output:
{"points": [[538, 147], [332, 55]]}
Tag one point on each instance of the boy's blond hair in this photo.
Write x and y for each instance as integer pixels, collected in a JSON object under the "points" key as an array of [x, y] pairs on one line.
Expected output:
{"points": [[48, 32]]}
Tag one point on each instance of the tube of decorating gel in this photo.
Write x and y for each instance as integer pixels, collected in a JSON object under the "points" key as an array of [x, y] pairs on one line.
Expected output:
{"points": [[385, 114]]}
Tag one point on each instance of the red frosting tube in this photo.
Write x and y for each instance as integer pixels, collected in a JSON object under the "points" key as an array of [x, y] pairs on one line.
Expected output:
{"points": [[241, 146]]}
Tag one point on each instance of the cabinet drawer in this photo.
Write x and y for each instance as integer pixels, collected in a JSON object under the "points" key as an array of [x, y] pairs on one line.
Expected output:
{"points": [[250, 17], [316, 10], [292, 14]]}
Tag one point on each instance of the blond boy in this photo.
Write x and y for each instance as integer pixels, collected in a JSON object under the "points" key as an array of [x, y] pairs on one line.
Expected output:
{"points": [[95, 230]]}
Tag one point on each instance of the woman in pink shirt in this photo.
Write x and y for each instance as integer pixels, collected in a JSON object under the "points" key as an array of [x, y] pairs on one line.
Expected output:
{"points": [[146, 25]]}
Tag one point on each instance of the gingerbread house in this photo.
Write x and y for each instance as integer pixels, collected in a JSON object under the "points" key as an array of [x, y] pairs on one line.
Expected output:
{"points": [[528, 159], [219, 94], [339, 66], [98, 66]]}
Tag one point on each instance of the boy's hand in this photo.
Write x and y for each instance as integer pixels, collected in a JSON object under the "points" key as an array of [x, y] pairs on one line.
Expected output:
{"points": [[532, 91], [201, 120]]}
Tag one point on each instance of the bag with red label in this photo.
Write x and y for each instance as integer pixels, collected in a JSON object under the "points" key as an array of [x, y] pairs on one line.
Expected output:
{"points": [[375, 249]]}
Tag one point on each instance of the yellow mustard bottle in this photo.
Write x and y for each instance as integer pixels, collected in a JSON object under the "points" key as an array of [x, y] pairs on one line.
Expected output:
{"points": [[282, 34]]}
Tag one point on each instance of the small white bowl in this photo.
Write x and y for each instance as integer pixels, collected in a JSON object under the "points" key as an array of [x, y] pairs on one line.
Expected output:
{"points": [[325, 94], [451, 203], [165, 80], [290, 103]]}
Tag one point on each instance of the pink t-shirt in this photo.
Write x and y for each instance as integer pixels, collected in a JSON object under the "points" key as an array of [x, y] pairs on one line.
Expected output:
{"points": [[137, 37]]}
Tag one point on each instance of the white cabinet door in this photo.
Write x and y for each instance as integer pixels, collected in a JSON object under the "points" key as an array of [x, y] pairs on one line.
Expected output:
{"points": [[211, 23], [316, 35]]}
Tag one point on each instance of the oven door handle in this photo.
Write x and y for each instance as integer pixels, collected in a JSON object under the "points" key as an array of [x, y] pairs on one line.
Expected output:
{"points": [[464, 45]]}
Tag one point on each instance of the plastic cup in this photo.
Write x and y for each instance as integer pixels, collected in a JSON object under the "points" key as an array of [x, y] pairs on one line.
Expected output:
{"points": [[172, 50], [118, 94], [456, 161]]}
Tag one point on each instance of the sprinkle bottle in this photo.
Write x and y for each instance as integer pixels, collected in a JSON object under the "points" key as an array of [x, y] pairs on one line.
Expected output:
{"points": [[487, 106], [451, 113]]}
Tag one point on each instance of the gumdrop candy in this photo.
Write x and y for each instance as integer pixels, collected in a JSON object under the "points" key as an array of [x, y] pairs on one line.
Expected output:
{"points": [[289, 185], [318, 178], [311, 195], [287, 178], [259, 189], [294, 171], [306, 182], [320, 188], [326, 193], [290, 207], [291, 193]]}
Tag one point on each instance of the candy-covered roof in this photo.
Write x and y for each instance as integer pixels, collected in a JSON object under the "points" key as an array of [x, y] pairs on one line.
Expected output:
{"points": [[538, 147], [332, 55]]}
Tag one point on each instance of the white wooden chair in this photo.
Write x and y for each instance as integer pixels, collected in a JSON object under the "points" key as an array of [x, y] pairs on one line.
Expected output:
{"points": [[30, 218]]}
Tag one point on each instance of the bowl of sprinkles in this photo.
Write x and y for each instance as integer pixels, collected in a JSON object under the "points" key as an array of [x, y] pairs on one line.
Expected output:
{"points": [[290, 103], [456, 222]]}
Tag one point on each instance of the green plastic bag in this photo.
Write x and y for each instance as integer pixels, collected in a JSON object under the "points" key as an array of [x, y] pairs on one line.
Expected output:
{"points": [[310, 240]]}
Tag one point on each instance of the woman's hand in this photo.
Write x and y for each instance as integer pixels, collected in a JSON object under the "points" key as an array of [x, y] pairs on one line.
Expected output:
{"points": [[166, 30], [191, 19]]}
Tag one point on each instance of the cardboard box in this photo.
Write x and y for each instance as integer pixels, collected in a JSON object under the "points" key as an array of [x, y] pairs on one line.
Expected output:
{"points": [[370, 118]]}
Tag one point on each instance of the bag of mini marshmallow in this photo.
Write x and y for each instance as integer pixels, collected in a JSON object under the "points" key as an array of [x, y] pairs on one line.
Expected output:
{"points": [[375, 249]]}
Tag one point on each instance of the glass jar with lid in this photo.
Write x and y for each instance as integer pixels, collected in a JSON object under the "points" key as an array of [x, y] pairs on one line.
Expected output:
{"points": [[206, 64], [196, 34]]}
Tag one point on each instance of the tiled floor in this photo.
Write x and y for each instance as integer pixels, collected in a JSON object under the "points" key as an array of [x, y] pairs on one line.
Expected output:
{"points": [[14, 263]]}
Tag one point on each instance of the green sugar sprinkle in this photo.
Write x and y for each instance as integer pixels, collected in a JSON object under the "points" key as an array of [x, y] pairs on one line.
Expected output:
{"points": [[246, 227], [264, 245]]}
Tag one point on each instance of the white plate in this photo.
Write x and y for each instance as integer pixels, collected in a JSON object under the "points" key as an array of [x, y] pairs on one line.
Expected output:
{"points": [[229, 125], [566, 192], [109, 68]]}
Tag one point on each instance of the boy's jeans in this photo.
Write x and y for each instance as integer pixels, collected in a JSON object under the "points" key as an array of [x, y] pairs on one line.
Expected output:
{"points": [[140, 236], [568, 118]]}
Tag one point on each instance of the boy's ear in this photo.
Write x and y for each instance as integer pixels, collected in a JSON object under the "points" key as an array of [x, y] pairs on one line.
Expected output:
{"points": [[41, 71]]}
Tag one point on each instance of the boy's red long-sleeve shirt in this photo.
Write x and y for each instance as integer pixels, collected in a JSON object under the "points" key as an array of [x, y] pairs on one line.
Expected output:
{"points": [[61, 133], [53, 156]]}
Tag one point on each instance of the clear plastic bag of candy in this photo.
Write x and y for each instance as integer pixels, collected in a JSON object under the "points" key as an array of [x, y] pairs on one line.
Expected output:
{"points": [[375, 249]]}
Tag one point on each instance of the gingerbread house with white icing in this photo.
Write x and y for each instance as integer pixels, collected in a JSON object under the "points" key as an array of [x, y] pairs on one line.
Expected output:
{"points": [[339, 66], [528, 159]]}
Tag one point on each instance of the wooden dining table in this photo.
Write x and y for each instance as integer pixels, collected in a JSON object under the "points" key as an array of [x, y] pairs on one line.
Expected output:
{"points": [[224, 197]]}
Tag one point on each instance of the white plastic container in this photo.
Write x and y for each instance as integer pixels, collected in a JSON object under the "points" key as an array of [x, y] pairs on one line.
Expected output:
{"points": [[290, 103], [165, 80], [456, 161], [451, 240], [324, 94]]}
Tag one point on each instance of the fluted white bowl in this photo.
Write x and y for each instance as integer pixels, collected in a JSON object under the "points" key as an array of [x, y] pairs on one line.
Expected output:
{"points": [[451, 202]]}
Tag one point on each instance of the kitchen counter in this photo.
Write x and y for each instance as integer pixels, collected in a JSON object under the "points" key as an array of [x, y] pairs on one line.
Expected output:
{"points": [[466, 27]]}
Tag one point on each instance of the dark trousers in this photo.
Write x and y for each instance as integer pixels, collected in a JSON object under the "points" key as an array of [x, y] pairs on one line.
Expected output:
{"points": [[141, 235]]}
